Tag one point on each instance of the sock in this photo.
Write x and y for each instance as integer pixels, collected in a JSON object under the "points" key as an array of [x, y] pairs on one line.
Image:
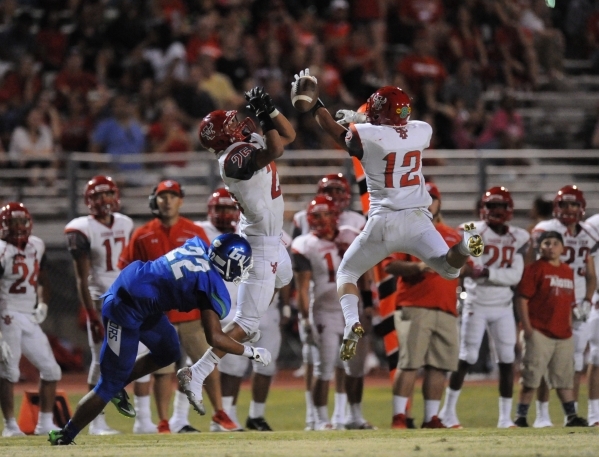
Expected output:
{"points": [[349, 305], [451, 401], [233, 414], [545, 410], [257, 409], [593, 411], [339, 411], [463, 246], [180, 408], [505, 408], [45, 419], [100, 421], [431, 408], [575, 406], [142, 407], [355, 413], [309, 407], [203, 367], [522, 410], [322, 413], [11, 423], [569, 408], [227, 404], [399, 404]]}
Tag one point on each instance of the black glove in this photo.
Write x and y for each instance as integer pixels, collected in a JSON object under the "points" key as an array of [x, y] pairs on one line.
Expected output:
{"points": [[256, 100]]}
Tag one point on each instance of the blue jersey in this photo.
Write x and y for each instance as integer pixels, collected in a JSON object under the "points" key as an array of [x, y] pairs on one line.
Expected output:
{"points": [[183, 279]]}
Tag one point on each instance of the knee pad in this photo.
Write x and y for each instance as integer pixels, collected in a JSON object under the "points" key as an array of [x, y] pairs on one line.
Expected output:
{"points": [[234, 365], [248, 324], [324, 372], [268, 370], [308, 354], [594, 355], [51, 373], [505, 354], [11, 374], [346, 277], [469, 355], [578, 361]]}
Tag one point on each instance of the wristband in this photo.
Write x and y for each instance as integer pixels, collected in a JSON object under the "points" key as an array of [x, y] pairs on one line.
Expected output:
{"points": [[319, 104], [366, 298], [248, 351], [286, 311], [274, 113]]}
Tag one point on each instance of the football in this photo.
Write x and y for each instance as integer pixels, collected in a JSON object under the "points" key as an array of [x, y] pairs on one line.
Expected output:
{"points": [[304, 94]]}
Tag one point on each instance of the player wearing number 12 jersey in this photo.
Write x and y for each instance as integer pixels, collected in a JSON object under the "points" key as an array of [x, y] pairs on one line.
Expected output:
{"points": [[488, 305], [389, 147], [95, 243], [246, 164]]}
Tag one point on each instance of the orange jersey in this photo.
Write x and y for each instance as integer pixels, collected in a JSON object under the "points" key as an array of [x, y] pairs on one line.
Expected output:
{"points": [[153, 240], [429, 290]]}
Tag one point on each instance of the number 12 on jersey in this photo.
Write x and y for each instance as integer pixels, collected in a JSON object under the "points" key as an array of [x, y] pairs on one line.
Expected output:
{"points": [[410, 159]]}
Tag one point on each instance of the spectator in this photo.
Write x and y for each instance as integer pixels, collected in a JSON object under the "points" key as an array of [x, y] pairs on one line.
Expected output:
{"points": [[232, 62], [22, 86], [89, 35], [17, 38], [505, 129], [218, 86], [466, 42], [544, 306], [73, 78], [32, 146], [195, 102], [204, 34], [416, 15], [120, 133], [166, 55], [136, 69], [77, 125], [167, 133], [542, 210], [52, 42], [337, 28]]}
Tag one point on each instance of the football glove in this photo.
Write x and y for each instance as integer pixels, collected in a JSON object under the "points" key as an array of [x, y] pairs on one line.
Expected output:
{"points": [[256, 101], [307, 332], [582, 310], [301, 74], [40, 312], [5, 352], [261, 355], [347, 116]]}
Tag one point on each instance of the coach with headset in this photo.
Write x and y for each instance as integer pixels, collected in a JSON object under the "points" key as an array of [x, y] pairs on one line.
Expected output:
{"points": [[167, 231]]}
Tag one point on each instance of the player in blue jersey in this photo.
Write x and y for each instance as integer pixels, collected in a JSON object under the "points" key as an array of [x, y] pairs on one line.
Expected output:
{"points": [[186, 278]]}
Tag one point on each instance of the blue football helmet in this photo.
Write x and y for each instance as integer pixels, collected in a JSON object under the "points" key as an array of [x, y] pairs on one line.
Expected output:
{"points": [[231, 256]]}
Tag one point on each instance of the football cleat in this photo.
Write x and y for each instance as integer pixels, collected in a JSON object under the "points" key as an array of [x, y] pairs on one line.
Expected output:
{"points": [[58, 438], [507, 424], [188, 429], [351, 335], [360, 426], [10, 432], [188, 384], [542, 423], [144, 427], [473, 240], [521, 422], [435, 422], [163, 427], [221, 422], [41, 430], [576, 421], [399, 422], [257, 423], [99, 427], [123, 406], [324, 427]]}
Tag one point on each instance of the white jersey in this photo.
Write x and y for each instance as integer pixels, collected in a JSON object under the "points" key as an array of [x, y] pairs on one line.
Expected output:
{"points": [[104, 245], [257, 192], [504, 258], [577, 248], [392, 161], [347, 217], [593, 221], [324, 258], [19, 270]]}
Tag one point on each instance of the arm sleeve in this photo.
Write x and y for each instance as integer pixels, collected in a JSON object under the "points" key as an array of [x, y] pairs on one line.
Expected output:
{"points": [[509, 276], [240, 163], [77, 244], [527, 286], [353, 142], [300, 262]]}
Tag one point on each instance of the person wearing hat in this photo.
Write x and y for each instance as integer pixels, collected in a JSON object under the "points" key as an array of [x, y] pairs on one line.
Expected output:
{"points": [[545, 303], [167, 231], [426, 325]]}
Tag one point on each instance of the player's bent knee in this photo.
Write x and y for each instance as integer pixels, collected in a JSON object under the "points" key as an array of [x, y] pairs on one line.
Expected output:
{"points": [[107, 389], [268, 370], [470, 356], [51, 373], [594, 355], [578, 362], [12, 375], [248, 324], [446, 270], [345, 277], [505, 355]]}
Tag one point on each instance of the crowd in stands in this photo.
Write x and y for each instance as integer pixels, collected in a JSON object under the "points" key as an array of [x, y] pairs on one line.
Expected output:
{"points": [[124, 76]]}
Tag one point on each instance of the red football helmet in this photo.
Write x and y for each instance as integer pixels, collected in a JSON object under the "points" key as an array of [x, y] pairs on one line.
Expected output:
{"points": [[15, 224], [220, 129], [322, 216], [497, 206], [223, 211], [108, 204], [567, 215], [336, 186], [388, 106]]}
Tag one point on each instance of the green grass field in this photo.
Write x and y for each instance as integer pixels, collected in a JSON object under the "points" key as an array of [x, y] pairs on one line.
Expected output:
{"points": [[285, 412]]}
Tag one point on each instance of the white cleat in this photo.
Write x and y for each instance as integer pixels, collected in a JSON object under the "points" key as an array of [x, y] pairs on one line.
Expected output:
{"points": [[351, 335], [451, 422], [542, 423], [144, 427], [190, 386], [41, 430], [99, 427], [309, 427], [506, 424], [473, 241], [324, 427], [10, 432]]}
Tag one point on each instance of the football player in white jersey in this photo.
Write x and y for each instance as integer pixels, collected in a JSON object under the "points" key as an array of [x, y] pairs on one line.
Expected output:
{"points": [[223, 217], [95, 243], [580, 246], [22, 310], [488, 304], [593, 322], [316, 257], [338, 188], [246, 163], [389, 147]]}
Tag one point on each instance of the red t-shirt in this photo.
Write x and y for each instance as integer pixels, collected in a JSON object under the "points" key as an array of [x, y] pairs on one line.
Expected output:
{"points": [[429, 290], [550, 294], [153, 240]]}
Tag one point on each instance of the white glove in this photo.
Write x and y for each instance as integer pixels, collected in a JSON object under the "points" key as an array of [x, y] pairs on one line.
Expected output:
{"points": [[5, 352], [347, 116], [306, 332], [40, 312], [301, 74], [582, 310], [261, 355]]}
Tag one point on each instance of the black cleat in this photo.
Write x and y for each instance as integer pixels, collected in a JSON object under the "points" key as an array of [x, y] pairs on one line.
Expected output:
{"points": [[576, 421], [188, 429], [123, 406], [257, 423], [521, 422]]}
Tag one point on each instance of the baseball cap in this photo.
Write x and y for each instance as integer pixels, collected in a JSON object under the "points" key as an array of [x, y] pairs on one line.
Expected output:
{"points": [[551, 234], [433, 190], [169, 185]]}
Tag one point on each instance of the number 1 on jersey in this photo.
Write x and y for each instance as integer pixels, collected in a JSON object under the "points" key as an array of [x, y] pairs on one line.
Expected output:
{"points": [[275, 189], [410, 159]]}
